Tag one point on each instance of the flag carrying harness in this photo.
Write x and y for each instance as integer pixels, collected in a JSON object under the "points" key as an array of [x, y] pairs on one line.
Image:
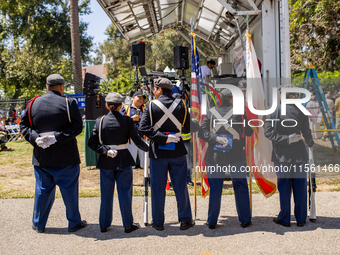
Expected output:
{"points": [[167, 114]]}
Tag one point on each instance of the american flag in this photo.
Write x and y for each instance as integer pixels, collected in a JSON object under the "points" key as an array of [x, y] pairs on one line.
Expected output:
{"points": [[196, 83]]}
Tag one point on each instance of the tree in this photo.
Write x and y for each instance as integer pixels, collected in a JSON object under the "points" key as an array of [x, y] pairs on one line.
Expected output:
{"points": [[121, 83], [75, 41], [36, 31], [114, 48], [315, 34]]}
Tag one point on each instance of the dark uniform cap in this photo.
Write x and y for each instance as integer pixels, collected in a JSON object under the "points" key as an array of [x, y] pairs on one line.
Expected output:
{"points": [[164, 83], [226, 93], [242, 84], [139, 93], [55, 79], [114, 98]]}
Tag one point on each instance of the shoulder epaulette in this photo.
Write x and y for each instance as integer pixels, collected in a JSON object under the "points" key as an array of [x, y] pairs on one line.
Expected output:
{"points": [[101, 116], [70, 98]]}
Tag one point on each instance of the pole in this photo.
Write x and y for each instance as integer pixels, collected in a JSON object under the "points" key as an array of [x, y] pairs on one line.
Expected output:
{"points": [[146, 187], [195, 184], [312, 187], [250, 175], [194, 148]]}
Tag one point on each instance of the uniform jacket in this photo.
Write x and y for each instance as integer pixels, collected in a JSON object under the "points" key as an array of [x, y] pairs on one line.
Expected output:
{"points": [[237, 153], [157, 137], [116, 129], [282, 150], [49, 113]]}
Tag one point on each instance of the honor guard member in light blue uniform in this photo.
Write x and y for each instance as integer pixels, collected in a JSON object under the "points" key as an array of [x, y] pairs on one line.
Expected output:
{"points": [[289, 151], [109, 138], [226, 150], [162, 122], [51, 123]]}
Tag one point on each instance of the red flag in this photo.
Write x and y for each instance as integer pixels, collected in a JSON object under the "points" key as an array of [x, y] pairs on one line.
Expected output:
{"points": [[258, 147]]}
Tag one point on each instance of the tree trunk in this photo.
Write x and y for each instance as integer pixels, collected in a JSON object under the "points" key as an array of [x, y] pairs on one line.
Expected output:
{"points": [[75, 41]]}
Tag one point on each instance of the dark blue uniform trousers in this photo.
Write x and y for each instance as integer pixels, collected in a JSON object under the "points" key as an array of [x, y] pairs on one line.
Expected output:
{"points": [[287, 182], [46, 180], [123, 178], [241, 192], [158, 178]]}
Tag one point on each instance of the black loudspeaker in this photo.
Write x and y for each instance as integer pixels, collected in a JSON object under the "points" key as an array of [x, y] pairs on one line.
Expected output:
{"points": [[138, 54], [95, 107], [91, 83], [181, 57]]}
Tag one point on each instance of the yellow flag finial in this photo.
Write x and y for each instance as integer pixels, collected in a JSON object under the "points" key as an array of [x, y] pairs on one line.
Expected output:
{"points": [[249, 37]]}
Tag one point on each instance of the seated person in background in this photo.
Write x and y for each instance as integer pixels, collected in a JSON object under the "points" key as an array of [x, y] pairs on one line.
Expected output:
{"points": [[3, 135]]}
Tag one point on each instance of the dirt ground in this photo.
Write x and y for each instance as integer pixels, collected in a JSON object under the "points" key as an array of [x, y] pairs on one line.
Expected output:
{"points": [[17, 176]]}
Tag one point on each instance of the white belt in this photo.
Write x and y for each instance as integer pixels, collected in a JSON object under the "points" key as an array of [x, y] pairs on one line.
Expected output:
{"points": [[47, 133], [118, 147], [177, 134]]}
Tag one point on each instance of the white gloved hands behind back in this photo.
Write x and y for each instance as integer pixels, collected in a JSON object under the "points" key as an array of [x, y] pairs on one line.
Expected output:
{"points": [[173, 138], [45, 141], [112, 153], [293, 138], [222, 140]]}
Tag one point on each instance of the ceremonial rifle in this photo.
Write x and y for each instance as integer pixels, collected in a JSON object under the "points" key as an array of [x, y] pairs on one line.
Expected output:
{"points": [[311, 187]]}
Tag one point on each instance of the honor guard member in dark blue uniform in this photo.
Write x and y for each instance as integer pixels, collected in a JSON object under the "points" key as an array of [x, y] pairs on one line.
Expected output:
{"points": [[289, 152], [162, 122], [109, 138], [51, 123], [226, 150], [135, 112]]}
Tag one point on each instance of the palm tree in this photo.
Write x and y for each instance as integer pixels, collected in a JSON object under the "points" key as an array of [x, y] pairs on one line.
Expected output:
{"points": [[75, 41]]}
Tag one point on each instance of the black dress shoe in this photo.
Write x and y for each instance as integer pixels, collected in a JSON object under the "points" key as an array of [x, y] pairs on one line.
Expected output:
{"points": [[159, 228], [210, 226], [190, 183], [275, 220], [38, 230], [103, 230], [82, 225], [133, 227], [301, 224], [185, 225], [245, 225]]}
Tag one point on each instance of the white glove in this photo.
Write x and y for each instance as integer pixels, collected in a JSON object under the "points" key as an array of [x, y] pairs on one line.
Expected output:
{"points": [[50, 140], [112, 153], [293, 138], [45, 141], [173, 138], [222, 140], [40, 141]]}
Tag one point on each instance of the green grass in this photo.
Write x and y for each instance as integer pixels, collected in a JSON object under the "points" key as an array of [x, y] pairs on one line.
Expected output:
{"points": [[19, 161]]}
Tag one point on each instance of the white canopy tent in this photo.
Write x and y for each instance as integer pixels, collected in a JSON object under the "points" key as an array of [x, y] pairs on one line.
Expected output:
{"points": [[214, 21]]}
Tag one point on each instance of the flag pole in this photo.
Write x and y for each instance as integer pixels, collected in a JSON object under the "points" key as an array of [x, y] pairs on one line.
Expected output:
{"points": [[195, 184], [249, 144], [194, 148], [250, 174]]}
